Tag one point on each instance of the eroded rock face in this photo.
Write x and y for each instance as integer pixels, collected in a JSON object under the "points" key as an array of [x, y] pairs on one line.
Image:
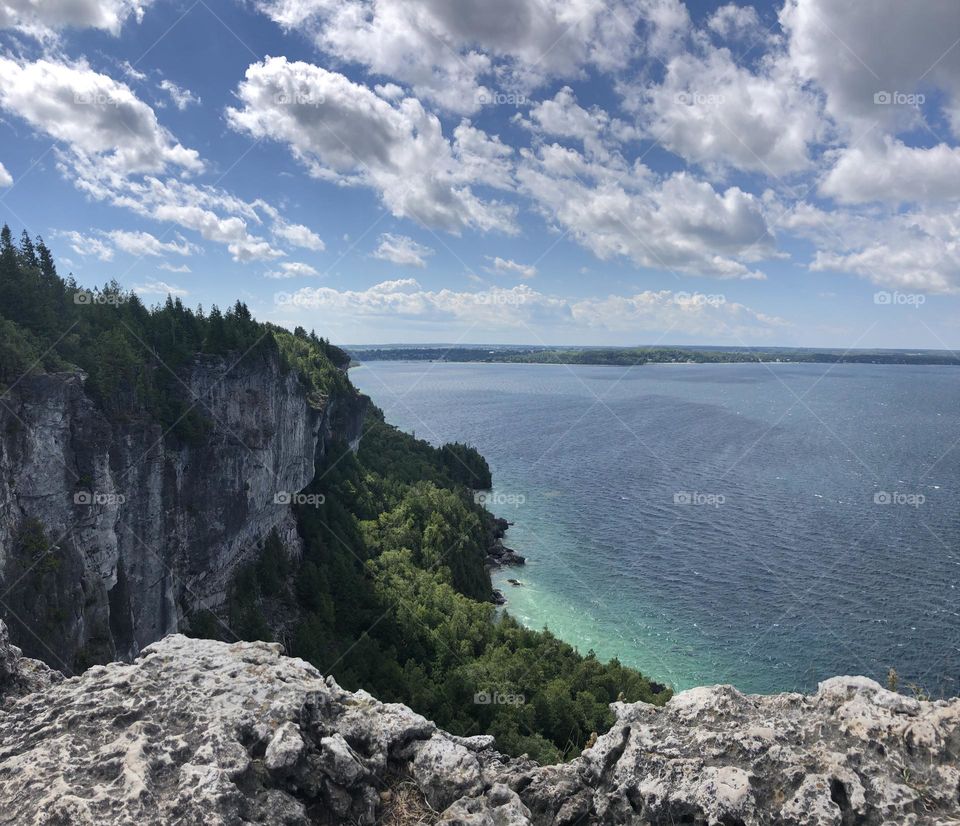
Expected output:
{"points": [[139, 528], [201, 732]]}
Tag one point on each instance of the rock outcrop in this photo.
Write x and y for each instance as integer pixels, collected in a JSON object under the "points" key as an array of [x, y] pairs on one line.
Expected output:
{"points": [[111, 532], [201, 732]]}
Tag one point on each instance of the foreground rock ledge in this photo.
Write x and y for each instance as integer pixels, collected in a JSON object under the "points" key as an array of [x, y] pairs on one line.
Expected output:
{"points": [[200, 732]]}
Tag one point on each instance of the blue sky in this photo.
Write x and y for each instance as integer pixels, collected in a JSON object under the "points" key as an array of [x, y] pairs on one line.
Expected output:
{"points": [[555, 171]]}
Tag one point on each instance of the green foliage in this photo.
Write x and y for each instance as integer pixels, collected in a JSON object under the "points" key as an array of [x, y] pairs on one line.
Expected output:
{"points": [[135, 357], [466, 466], [390, 594]]}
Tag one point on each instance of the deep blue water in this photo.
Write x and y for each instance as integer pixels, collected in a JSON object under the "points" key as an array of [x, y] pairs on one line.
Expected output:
{"points": [[783, 569]]}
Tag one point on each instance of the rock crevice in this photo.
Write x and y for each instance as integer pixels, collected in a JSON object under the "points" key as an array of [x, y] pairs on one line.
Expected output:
{"points": [[201, 732]]}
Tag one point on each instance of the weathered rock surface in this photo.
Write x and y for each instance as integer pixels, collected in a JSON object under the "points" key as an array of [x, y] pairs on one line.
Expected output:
{"points": [[200, 732], [139, 527]]}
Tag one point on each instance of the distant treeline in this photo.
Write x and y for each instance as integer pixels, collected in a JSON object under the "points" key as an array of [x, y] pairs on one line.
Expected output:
{"points": [[629, 356]]}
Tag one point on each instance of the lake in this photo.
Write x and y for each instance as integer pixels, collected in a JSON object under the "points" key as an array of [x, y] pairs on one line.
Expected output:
{"points": [[766, 525]]}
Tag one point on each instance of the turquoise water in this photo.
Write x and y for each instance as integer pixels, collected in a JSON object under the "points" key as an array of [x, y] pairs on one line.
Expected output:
{"points": [[718, 523]]}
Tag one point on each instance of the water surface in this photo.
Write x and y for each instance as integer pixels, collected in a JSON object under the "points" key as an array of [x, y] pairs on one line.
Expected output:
{"points": [[718, 523]]}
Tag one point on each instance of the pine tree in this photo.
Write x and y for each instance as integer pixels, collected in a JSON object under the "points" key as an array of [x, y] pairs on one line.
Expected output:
{"points": [[28, 253]]}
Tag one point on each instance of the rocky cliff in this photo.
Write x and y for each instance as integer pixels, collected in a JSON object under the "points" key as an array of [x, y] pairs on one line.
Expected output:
{"points": [[112, 532], [201, 732]]}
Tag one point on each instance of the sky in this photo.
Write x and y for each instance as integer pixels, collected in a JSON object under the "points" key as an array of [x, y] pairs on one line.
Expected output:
{"points": [[495, 171]]}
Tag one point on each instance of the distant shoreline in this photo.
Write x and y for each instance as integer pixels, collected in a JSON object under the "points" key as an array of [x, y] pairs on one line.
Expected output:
{"points": [[642, 356]]}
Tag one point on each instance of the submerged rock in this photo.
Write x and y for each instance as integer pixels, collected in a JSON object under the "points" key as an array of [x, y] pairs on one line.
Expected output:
{"points": [[201, 732]]}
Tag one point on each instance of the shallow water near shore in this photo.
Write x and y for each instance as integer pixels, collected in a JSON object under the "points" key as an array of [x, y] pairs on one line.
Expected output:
{"points": [[768, 525]]}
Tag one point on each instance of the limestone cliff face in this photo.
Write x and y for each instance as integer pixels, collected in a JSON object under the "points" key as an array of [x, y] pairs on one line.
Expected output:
{"points": [[200, 732], [140, 528]]}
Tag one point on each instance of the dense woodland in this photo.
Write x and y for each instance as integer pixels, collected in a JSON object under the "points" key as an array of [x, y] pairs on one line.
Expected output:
{"points": [[391, 593]]}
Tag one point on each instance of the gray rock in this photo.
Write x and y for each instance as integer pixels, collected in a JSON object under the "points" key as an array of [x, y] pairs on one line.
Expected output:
{"points": [[200, 732], [143, 529], [445, 771]]}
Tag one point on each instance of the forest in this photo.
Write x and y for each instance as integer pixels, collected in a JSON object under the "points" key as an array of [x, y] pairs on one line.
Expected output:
{"points": [[390, 593]]}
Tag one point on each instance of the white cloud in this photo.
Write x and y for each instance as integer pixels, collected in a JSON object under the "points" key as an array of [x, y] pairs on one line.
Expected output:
{"points": [[98, 118], [855, 50], [563, 117], [891, 172], [253, 248], [213, 213], [143, 243], [447, 52], [160, 288], [44, 17], [181, 98], [521, 308], [402, 250], [292, 269], [341, 131], [6, 179], [677, 224], [715, 113], [182, 268], [298, 235], [504, 266], [915, 250], [86, 245], [733, 22]]}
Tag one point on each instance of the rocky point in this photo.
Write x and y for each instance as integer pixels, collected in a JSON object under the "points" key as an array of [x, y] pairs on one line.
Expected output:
{"points": [[202, 732]]}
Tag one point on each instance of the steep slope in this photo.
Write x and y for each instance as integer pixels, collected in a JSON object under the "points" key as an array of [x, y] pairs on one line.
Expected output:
{"points": [[201, 732], [110, 532]]}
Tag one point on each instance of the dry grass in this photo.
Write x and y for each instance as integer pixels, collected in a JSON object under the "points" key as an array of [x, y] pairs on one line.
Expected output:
{"points": [[404, 805]]}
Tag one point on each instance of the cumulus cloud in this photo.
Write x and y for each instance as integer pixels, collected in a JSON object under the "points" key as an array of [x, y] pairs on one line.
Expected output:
{"points": [[448, 53], [563, 117], [42, 19], [180, 97], [402, 250], [86, 245], [6, 179], [98, 118], [160, 288], [915, 250], [713, 112], [733, 22], [341, 131], [292, 269], [143, 244], [890, 171], [505, 266], [298, 235], [521, 308], [856, 50], [677, 224]]}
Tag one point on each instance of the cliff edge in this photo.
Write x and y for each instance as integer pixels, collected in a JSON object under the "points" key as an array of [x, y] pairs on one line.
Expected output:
{"points": [[202, 732]]}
